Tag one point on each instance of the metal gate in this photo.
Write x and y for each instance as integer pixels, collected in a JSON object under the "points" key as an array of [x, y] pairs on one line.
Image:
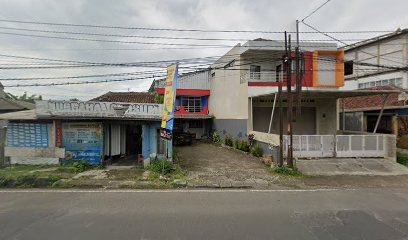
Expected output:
{"points": [[307, 146], [360, 146]]}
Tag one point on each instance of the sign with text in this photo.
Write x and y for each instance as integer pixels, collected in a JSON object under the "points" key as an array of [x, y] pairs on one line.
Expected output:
{"points": [[169, 97], [83, 141], [80, 109]]}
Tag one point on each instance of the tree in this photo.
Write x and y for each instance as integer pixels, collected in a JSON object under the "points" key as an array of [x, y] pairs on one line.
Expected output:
{"points": [[26, 98]]}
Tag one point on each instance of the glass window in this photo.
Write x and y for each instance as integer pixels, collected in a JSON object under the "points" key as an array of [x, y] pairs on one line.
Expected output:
{"points": [[372, 84], [378, 83], [398, 82], [384, 82], [192, 104], [392, 82], [361, 85], [255, 72]]}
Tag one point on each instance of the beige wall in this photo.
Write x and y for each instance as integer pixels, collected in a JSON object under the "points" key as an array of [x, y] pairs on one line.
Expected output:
{"points": [[318, 116], [229, 98], [326, 116]]}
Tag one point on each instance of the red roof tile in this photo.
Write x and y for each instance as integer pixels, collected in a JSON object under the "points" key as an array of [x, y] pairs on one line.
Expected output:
{"points": [[374, 101], [131, 97]]}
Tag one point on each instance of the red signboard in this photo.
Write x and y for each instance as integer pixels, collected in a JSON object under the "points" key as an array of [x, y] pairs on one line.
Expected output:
{"points": [[58, 133]]}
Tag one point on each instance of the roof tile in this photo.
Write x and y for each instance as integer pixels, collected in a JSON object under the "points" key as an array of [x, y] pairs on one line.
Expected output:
{"points": [[130, 97], [374, 101]]}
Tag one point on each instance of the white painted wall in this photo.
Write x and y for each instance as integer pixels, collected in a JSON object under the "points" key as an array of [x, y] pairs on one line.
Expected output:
{"points": [[389, 52], [229, 97]]}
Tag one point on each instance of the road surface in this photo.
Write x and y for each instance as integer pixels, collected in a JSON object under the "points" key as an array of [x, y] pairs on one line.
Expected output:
{"points": [[207, 214]]}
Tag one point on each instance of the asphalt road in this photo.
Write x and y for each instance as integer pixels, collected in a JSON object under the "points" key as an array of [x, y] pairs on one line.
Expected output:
{"points": [[316, 214]]}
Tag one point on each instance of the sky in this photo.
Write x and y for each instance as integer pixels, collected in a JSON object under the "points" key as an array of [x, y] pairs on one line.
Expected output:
{"points": [[265, 15]]}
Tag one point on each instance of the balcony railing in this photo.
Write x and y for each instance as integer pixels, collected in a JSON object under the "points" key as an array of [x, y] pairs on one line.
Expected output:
{"points": [[192, 109], [263, 76]]}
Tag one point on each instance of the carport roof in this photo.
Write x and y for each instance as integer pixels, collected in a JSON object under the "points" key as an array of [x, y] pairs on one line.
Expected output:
{"points": [[334, 93]]}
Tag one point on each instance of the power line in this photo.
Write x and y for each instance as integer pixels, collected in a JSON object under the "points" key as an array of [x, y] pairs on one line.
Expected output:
{"points": [[125, 36], [310, 14], [344, 43], [171, 29], [137, 28], [113, 41], [153, 37]]}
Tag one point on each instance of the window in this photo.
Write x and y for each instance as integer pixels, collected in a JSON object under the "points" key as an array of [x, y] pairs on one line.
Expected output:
{"points": [[398, 82], [386, 82], [255, 72], [278, 73], [192, 104], [348, 68]]}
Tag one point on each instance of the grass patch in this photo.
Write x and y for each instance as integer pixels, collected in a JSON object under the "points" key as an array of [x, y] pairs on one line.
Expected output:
{"points": [[29, 176], [285, 171], [402, 158]]}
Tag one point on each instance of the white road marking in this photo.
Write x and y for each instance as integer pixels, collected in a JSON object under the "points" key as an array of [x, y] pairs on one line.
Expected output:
{"points": [[168, 190]]}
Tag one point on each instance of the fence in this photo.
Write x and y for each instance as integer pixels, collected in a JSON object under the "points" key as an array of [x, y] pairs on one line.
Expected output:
{"points": [[306, 146]]}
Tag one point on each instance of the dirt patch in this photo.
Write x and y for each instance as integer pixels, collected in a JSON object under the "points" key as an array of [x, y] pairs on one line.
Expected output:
{"points": [[210, 165]]}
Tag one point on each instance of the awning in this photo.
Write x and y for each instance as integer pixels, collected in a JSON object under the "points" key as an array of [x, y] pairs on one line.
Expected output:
{"points": [[191, 116], [332, 93]]}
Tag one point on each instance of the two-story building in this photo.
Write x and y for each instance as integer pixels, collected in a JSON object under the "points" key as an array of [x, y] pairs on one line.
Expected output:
{"points": [[378, 63], [192, 103], [244, 87]]}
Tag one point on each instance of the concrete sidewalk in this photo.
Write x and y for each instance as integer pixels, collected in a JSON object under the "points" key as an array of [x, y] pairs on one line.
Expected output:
{"points": [[351, 166]]}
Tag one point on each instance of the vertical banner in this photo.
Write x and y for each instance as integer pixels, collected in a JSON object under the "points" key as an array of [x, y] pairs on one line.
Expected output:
{"points": [[58, 133], [169, 101]]}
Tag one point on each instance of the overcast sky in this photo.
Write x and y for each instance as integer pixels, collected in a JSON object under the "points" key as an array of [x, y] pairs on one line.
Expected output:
{"points": [[337, 15]]}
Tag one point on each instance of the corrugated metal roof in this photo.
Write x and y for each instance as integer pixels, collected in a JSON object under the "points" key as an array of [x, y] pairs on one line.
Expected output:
{"points": [[375, 39], [130, 97], [195, 80], [20, 115], [8, 104]]}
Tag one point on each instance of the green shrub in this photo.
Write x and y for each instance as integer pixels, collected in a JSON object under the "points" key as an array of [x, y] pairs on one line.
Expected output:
{"points": [[159, 98], [402, 159], [237, 144], [284, 170], [228, 140], [257, 150], [216, 138], [162, 166], [81, 166], [244, 146]]}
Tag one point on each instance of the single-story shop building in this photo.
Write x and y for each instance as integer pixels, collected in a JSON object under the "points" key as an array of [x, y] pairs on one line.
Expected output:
{"points": [[97, 132]]}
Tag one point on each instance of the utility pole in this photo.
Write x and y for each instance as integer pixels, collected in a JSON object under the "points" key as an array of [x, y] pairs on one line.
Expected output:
{"points": [[289, 159], [280, 163], [298, 81], [298, 73]]}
